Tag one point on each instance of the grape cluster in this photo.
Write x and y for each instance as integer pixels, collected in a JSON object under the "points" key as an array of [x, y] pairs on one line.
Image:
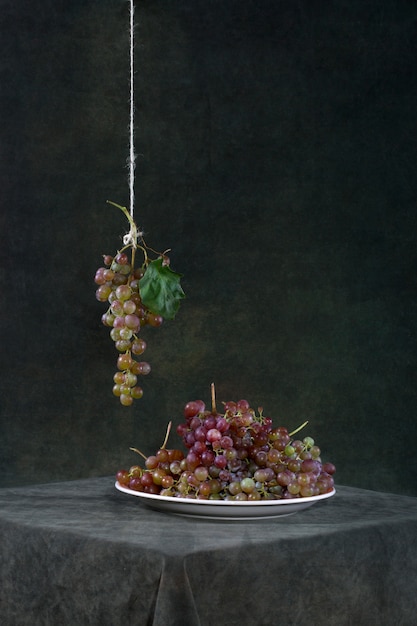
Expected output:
{"points": [[118, 285], [238, 455]]}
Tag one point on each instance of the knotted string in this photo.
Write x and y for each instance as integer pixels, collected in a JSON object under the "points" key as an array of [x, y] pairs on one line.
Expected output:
{"points": [[131, 237]]}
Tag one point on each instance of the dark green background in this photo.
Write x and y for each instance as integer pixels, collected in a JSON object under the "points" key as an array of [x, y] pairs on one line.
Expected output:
{"points": [[276, 147]]}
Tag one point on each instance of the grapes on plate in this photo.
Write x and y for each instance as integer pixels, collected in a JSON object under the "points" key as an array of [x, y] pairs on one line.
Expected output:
{"points": [[238, 455]]}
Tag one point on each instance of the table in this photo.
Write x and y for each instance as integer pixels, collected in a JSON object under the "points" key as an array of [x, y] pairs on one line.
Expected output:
{"points": [[81, 553]]}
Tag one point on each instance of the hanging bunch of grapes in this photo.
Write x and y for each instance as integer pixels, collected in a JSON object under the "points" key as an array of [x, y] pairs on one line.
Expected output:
{"points": [[138, 293]]}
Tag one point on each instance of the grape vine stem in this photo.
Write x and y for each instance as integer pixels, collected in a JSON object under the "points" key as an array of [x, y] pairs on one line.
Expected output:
{"points": [[139, 452], [133, 232], [298, 429], [213, 399], [167, 435]]}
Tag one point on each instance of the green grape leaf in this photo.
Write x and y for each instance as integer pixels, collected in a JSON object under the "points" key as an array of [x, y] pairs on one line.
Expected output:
{"points": [[160, 289]]}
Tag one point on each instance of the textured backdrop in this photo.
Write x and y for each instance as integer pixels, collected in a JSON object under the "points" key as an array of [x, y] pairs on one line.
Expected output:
{"points": [[276, 149]]}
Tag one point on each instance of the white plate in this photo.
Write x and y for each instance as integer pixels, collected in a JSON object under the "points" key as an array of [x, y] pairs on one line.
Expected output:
{"points": [[225, 509]]}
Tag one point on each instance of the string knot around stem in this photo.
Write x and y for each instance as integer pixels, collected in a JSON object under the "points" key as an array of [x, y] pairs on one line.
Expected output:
{"points": [[133, 236]]}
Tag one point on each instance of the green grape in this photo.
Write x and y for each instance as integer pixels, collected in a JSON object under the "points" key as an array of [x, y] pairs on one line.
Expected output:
{"points": [[247, 485], [119, 378], [125, 400], [129, 307], [116, 390], [289, 450], [315, 452], [201, 473], [117, 307], [103, 292], [124, 333], [130, 379], [115, 334], [308, 442], [124, 361], [122, 345], [234, 488]]}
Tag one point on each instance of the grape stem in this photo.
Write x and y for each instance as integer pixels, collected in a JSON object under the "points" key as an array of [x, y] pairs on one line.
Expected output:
{"points": [[213, 399], [298, 429], [139, 452], [131, 238], [133, 235], [166, 435]]}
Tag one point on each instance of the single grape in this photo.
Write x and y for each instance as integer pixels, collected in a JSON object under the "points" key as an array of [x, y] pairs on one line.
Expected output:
{"points": [[136, 484], [315, 452], [99, 276], [167, 482], [154, 320], [329, 468], [132, 322], [293, 488], [123, 477], [157, 476], [119, 378], [122, 345], [260, 476], [130, 379], [201, 473], [306, 491], [138, 346], [124, 361], [108, 319], [220, 461], [142, 367], [116, 391], [207, 457], [193, 408], [200, 433], [117, 307], [209, 421], [289, 450], [204, 490], [136, 392], [121, 258], [125, 400], [129, 307], [125, 333], [103, 292], [199, 447], [231, 456], [226, 441], [108, 275], [247, 485], [213, 435], [115, 334]]}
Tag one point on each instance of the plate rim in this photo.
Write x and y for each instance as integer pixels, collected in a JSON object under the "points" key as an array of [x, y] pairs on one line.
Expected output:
{"points": [[224, 503]]}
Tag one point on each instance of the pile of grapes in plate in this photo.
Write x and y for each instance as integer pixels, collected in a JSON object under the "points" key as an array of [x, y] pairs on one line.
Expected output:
{"points": [[238, 455]]}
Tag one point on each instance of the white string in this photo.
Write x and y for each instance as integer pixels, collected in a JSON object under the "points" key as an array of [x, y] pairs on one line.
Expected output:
{"points": [[132, 156], [131, 238]]}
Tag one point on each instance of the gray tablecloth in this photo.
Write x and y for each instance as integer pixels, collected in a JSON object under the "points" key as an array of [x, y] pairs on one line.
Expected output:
{"points": [[80, 552]]}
